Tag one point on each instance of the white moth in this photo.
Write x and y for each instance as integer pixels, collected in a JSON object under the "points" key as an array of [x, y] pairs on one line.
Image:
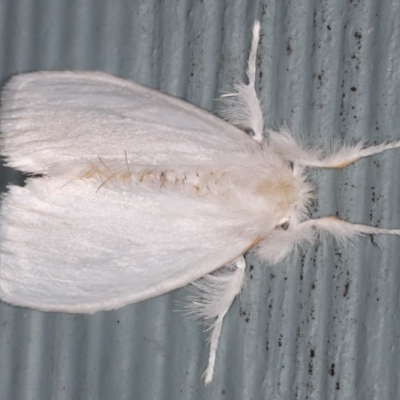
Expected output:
{"points": [[141, 193]]}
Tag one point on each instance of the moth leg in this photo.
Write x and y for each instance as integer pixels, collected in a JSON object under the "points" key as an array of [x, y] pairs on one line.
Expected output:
{"points": [[280, 243], [232, 286], [242, 107], [213, 296], [288, 147]]}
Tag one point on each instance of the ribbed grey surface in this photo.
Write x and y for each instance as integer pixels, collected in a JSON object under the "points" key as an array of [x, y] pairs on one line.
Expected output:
{"points": [[325, 326]]}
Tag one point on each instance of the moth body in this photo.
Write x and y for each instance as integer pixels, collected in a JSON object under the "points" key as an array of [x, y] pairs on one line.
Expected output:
{"points": [[263, 185]]}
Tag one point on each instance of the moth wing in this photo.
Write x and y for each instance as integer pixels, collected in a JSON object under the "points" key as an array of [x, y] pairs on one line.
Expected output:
{"points": [[74, 249], [51, 119]]}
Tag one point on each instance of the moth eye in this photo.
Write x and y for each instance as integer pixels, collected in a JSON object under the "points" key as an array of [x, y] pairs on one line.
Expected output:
{"points": [[285, 226], [291, 166], [249, 131]]}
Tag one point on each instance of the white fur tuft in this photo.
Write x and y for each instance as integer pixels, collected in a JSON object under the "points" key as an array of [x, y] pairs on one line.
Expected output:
{"points": [[242, 107], [212, 298]]}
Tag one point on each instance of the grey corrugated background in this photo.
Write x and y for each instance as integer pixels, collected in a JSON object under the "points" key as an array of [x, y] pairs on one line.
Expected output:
{"points": [[325, 326]]}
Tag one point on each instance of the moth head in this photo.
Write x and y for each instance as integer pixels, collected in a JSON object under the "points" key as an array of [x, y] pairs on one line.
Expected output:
{"points": [[298, 210]]}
